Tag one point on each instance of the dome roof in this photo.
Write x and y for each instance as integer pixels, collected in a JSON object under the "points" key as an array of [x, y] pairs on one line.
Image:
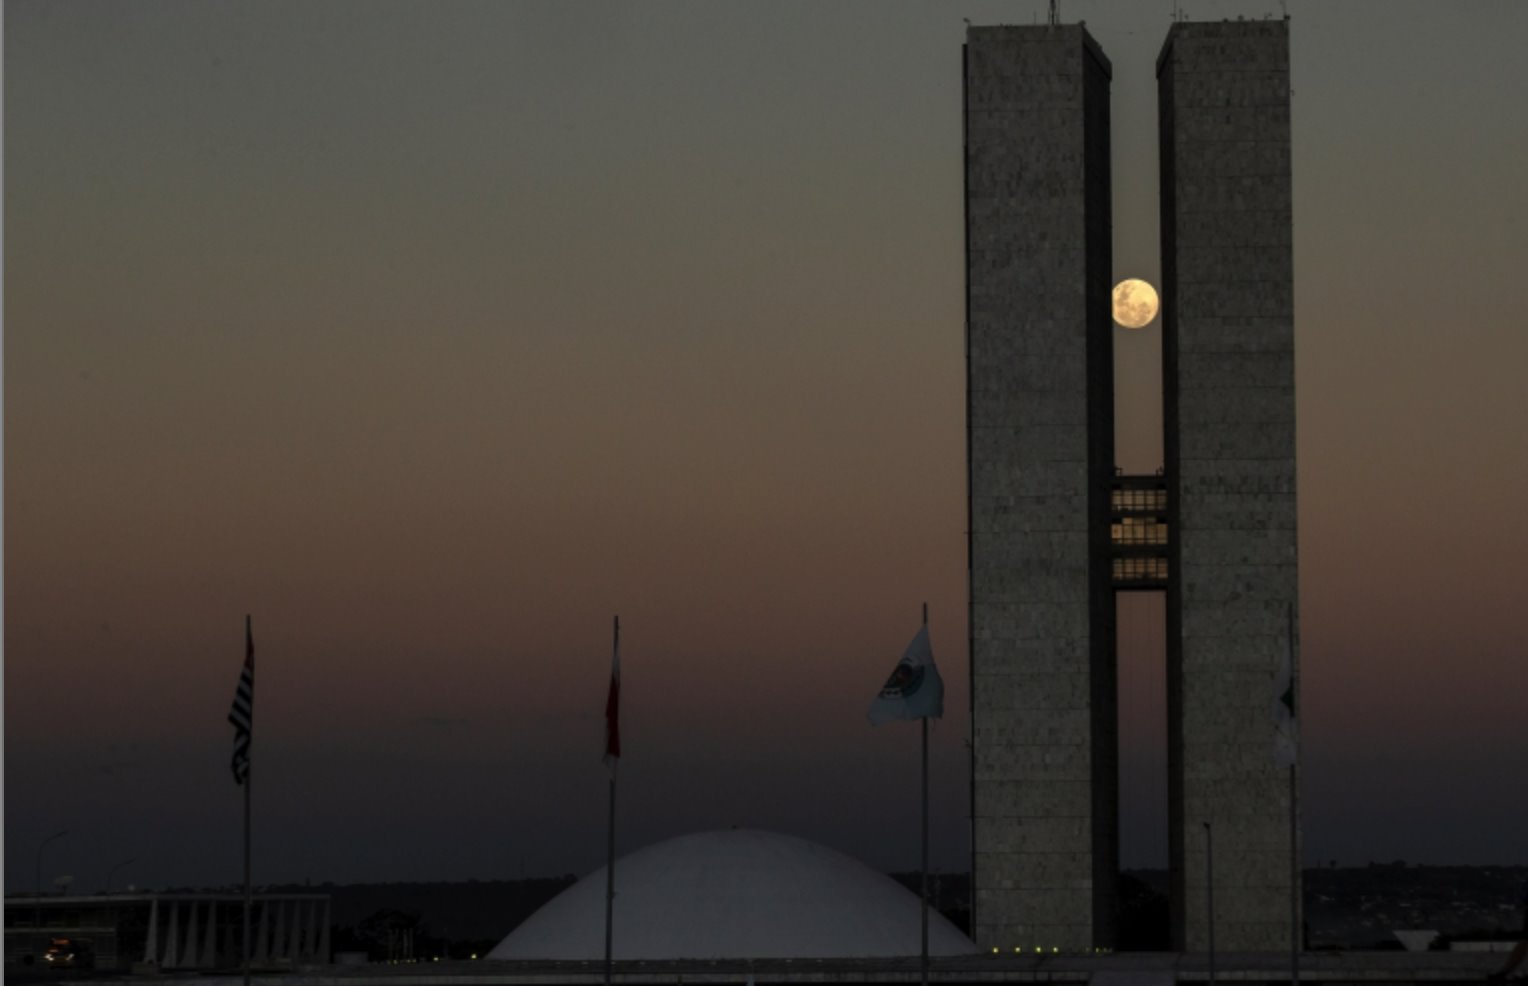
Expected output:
{"points": [[731, 895]]}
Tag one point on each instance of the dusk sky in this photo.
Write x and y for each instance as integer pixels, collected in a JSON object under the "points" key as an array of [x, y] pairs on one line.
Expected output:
{"points": [[434, 334]]}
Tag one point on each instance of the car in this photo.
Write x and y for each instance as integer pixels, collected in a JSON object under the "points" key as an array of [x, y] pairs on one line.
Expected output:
{"points": [[69, 953]]}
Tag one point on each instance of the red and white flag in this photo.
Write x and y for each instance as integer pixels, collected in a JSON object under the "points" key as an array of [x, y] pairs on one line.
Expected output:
{"points": [[613, 703]]}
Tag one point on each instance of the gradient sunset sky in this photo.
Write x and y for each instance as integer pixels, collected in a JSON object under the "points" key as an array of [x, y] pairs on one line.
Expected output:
{"points": [[434, 334]]}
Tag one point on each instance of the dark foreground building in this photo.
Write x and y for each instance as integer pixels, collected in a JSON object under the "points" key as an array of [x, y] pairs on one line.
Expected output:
{"points": [[1229, 410], [1040, 420], [1056, 532]]}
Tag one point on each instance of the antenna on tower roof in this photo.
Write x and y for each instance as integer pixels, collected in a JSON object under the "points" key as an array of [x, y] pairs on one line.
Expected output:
{"points": [[1055, 15]]}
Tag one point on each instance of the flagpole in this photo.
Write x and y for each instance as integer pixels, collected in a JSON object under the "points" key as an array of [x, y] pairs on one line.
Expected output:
{"points": [[247, 885], [924, 890], [1294, 884], [915, 691], [248, 893], [1209, 892], [610, 877], [610, 841], [1294, 829]]}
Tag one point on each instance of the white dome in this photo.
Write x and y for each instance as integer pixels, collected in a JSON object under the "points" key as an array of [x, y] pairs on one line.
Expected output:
{"points": [[733, 895]]}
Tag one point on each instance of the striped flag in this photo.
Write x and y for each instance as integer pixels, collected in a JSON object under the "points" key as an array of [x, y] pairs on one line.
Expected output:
{"points": [[613, 702], [242, 715]]}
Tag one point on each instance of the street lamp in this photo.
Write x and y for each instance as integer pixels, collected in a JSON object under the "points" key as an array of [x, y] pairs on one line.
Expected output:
{"points": [[55, 835], [37, 920], [113, 871]]}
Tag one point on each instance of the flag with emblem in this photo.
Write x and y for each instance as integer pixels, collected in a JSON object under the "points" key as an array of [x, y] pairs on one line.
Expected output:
{"points": [[1286, 735], [914, 690], [242, 715]]}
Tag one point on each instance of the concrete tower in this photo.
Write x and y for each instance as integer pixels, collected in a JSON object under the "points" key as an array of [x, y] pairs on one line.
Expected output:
{"points": [[1041, 433], [1054, 532], [1229, 411]]}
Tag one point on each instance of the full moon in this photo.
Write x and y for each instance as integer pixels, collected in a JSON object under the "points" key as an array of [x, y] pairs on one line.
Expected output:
{"points": [[1135, 303]]}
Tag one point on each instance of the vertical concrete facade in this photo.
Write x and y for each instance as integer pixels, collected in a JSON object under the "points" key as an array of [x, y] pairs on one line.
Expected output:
{"points": [[1229, 410], [1040, 430]]}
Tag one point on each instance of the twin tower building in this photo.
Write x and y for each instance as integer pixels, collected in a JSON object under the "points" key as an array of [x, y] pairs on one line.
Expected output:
{"points": [[1056, 530]]}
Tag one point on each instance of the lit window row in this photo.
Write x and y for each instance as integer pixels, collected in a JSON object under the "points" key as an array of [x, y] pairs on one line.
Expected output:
{"points": [[1132, 569], [1123, 499], [1138, 530]]}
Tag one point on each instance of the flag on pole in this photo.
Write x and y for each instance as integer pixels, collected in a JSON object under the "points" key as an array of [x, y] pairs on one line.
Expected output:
{"points": [[242, 715], [1286, 735], [613, 703], [914, 690]]}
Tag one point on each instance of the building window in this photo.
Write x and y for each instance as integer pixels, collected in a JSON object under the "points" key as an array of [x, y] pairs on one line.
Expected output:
{"points": [[1129, 499], [1138, 531], [1140, 569]]}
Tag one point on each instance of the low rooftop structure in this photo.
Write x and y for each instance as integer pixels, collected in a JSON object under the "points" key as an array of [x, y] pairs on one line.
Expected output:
{"points": [[178, 931]]}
